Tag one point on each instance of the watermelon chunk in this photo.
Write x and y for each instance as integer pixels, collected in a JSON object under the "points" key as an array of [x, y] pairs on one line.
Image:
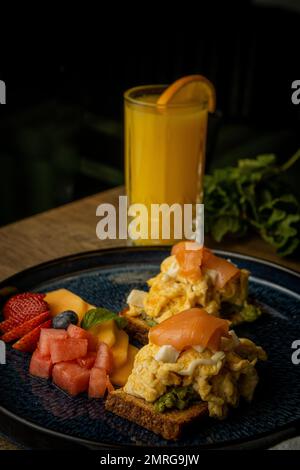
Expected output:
{"points": [[77, 332], [46, 336], [67, 349], [71, 377], [40, 366], [104, 358], [87, 361], [98, 383]]}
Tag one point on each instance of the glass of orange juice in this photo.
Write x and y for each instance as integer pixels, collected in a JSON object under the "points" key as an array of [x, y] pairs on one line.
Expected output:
{"points": [[164, 150]]}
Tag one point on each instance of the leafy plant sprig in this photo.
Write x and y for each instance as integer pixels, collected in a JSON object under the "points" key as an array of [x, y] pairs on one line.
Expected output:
{"points": [[253, 195]]}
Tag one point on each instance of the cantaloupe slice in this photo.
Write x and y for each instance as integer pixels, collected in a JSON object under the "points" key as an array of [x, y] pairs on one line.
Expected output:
{"points": [[119, 376], [120, 349], [62, 299], [106, 332]]}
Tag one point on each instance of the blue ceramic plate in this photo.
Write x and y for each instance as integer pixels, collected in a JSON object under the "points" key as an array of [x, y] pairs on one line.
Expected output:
{"points": [[105, 278]]}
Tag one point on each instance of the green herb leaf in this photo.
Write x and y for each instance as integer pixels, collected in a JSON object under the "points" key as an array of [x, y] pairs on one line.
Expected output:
{"points": [[224, 225], [99, 315]]}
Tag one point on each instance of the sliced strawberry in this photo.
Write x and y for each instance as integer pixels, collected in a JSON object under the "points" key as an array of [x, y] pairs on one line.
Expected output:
{"points": [[8, 325], [25, 328], [21, 308], [28, 343]]}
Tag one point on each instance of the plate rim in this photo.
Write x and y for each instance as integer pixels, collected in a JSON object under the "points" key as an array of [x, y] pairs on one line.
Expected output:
{"points": [[284, 431], [83, 254], [270, 436]]}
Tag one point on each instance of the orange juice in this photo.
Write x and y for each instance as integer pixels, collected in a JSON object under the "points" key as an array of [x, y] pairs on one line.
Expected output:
{"points": [[164, 151]]}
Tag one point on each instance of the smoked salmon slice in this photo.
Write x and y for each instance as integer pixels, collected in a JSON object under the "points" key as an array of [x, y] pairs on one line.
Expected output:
{"points": [[193, 327], [225, 270], [194, 259], [189, 257]]}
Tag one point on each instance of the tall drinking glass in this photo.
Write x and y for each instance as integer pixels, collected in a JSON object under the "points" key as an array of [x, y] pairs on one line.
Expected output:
{"points": [[164, 152]]}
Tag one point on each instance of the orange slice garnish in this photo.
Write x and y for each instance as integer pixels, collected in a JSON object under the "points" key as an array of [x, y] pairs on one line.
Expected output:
{"points": [[190, 89]]}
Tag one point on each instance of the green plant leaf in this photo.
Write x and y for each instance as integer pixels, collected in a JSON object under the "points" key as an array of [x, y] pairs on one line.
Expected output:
{"points": [[99, 315]]}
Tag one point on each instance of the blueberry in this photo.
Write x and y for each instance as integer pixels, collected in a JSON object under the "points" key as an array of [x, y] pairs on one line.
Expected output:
{"points": [[64, 319]]}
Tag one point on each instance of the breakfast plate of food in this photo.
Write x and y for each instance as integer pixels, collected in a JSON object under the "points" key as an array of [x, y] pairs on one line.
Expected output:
{"points": [[152, 346]]}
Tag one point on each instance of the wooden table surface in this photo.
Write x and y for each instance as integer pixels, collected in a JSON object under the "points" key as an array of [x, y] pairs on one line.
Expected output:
{"points": [[72, 228]]}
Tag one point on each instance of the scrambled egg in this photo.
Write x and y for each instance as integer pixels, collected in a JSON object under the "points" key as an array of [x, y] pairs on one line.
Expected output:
{"points": [[226, 376], [171, 293]]}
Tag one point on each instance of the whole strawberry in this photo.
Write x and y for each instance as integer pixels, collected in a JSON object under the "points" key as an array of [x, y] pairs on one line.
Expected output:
{"points": [[21, 308]]}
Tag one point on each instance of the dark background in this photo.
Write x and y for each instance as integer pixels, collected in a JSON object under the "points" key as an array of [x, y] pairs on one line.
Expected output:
{"points": [[61, 135]]}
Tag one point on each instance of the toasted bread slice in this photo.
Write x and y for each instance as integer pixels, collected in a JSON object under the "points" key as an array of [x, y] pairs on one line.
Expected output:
{"points": [[136, 327], [169, 425]]}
